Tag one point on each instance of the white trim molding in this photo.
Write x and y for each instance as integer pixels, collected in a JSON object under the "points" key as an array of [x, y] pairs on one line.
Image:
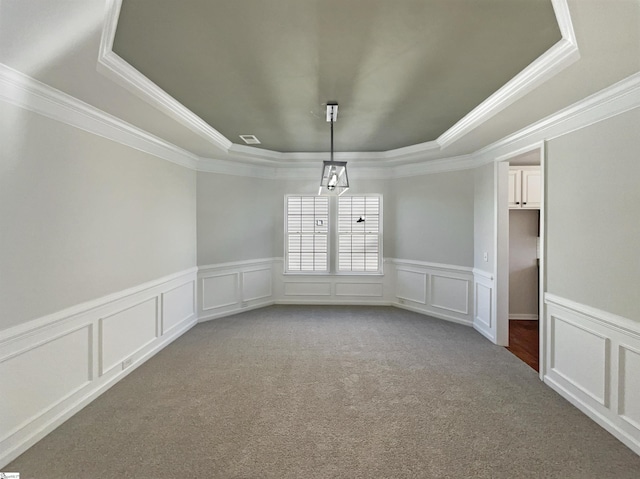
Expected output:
{"points": [[606, 103], [234, 287], [25, 92], [87, 349], [552, 62], [443, 291], [558, 57], [439, 290], [115, 68], [593, 361]]}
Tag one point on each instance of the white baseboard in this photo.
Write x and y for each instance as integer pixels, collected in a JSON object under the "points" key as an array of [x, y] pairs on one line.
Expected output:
{"points": [[87, 349], [593, 361], [410, 307], [231, 312]]}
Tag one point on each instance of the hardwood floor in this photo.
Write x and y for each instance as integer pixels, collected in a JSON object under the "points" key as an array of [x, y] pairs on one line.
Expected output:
{"points": [[524, 340]]}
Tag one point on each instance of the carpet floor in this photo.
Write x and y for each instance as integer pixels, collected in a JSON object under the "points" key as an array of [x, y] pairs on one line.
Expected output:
{"points": [[329, 392]]}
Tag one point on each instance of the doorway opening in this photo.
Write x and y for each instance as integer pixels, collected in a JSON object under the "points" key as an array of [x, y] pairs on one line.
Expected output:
{"points": [[520, 232]]}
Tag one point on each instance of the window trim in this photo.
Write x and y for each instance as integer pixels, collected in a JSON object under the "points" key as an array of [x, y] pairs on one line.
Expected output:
{"points": [[379, 271], [332, 243]]}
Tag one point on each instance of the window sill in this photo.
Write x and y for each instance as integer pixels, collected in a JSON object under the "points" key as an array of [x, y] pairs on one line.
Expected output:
{"points": [[342, 273]]}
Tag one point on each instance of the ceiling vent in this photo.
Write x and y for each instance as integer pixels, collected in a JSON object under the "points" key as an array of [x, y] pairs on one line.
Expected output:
{"points": [[250, 139]]}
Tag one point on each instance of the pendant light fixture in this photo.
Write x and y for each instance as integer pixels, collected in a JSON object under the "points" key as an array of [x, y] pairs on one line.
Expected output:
{"points": [[334, 179]]}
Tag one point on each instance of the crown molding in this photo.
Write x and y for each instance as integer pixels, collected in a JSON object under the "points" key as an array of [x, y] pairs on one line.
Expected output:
{"points": [[611, 101], [23, 91], [561, 55], [114, 67], [552, 62], [28, 93]]}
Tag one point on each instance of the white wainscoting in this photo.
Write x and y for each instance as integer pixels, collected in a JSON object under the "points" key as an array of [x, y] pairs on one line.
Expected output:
{"points": [[229, 288], [439, 290], [53, 366], [354, 289], [593, 360], [443, 291], [484, 320]]}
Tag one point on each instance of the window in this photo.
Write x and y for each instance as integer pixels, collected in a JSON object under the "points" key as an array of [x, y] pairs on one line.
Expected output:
{"points": [[307, 234], [359, 234], [356, 236]]}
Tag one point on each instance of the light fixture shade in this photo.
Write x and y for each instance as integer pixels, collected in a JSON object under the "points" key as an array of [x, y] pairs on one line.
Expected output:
{"points": [[334, 180]]}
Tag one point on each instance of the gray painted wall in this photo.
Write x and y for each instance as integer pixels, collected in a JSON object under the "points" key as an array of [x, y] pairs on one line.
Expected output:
{"points": [[239, 218], [242, 218], [593, 224], [82, 217], [523, 266], [484, 217], [426, 218], [434, 218]]}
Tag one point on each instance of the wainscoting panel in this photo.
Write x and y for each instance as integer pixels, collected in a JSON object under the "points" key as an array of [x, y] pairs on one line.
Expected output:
{"points": [[371, 290], [229, 288], [336, 289], [629, 386], [41, 377], [307, 289], [220, 290], [451, 294], [579, 356], [178, 305], [127, 332], [439, 290], [483, 307], [53, 366], [257, 284], [411, 285], [593, 360]]}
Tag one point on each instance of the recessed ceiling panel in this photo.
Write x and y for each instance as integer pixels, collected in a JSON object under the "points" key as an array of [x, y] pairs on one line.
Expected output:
{"points": [[402, 71]]}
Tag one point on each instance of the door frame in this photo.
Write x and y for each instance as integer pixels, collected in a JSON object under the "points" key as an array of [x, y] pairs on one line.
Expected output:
{"points": [[501, 249]]}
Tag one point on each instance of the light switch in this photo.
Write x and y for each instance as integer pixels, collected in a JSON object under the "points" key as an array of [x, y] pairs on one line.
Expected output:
{"points": [[486, 256]]}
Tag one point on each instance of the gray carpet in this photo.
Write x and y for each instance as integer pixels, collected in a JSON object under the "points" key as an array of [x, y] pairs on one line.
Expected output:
{"points": [[329, 392]]}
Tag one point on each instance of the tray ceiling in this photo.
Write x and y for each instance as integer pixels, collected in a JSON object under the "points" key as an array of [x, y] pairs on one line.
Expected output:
{"points": [[403, 72]]}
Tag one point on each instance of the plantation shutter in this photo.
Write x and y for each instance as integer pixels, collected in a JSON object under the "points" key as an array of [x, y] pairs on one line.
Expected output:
{"points": [[359, 237], [307, 233]]}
